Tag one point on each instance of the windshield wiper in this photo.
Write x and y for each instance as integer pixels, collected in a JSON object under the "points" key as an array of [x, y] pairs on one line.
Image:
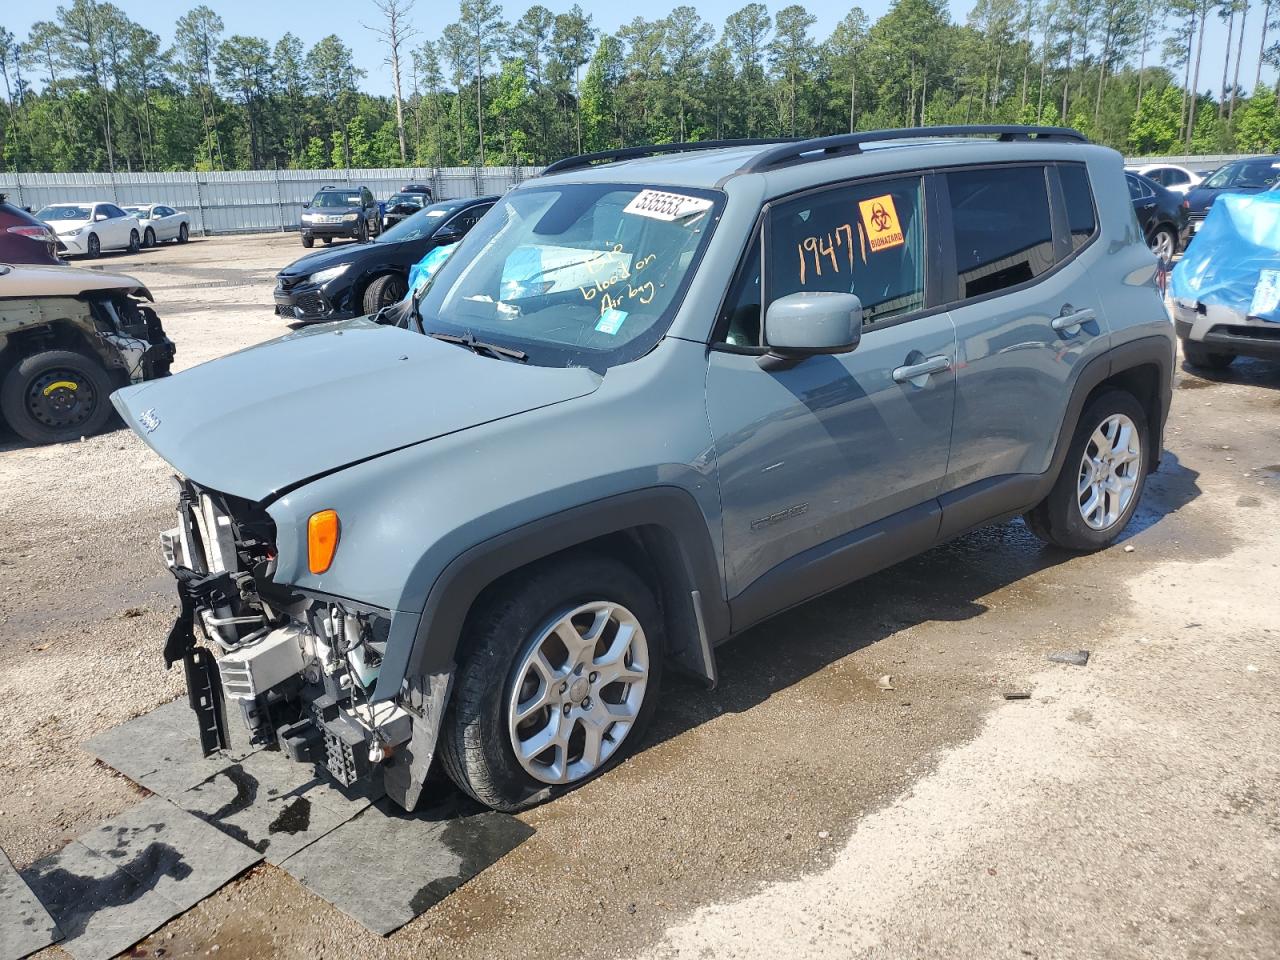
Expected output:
{"points": [[480, 347]]}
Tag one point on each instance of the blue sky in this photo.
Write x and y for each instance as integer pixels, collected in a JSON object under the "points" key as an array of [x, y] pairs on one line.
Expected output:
{"points": [[313, 19]]}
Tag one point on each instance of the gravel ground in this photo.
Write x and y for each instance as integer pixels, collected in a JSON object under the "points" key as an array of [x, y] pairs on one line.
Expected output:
{"points": [[1126, 809]]}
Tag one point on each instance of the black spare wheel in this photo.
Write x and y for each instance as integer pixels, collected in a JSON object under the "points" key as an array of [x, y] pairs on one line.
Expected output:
{"points": [[56, 395]]}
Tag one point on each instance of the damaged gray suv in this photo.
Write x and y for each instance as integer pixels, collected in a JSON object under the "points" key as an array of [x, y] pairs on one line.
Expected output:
{"points": [[655, 397]]}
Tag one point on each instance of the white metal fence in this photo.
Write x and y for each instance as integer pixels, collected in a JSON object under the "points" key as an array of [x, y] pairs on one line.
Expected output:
{"points": [[248, 201], [253, 201]]}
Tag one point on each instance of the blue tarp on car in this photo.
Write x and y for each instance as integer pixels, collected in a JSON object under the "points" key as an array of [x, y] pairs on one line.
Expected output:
{"points": [[425, 269], [1234, 260]]}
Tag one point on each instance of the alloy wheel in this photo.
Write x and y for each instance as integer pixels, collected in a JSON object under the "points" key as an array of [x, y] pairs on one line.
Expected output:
{"points": [[577, 691], [1162, 245], [1109, 471]]}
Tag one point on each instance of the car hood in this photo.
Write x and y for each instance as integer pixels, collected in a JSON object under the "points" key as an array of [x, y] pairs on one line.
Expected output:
{"points": [[1201, 198], [32, 280], [267, 419], [331, 257], [65, 226]]}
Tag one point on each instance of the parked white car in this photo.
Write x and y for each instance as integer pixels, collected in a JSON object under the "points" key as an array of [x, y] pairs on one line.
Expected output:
{"points": [[92, 227], [1171, 176], [160, 222]]}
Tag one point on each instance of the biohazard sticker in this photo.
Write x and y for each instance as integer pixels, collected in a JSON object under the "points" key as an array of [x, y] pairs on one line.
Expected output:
{"points": [[880, 218], [658, 205]]}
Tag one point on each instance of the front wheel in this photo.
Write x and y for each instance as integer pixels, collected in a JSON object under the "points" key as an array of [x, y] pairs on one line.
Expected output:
{"points": [[183, 234], [308, 242], [1101, 482], [383, 292], [93, 247], [559, 682]]}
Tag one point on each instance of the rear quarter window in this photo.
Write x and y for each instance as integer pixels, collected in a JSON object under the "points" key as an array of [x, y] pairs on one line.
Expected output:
{"points": [[1082, 219]]}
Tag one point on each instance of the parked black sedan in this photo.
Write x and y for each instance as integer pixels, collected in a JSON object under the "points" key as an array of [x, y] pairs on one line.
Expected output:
{"points": [[360, 279], [1162, 214]]}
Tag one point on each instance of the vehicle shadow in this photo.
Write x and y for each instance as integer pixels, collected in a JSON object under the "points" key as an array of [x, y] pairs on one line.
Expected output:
{"points": [[945, 584], [1246, 371]]}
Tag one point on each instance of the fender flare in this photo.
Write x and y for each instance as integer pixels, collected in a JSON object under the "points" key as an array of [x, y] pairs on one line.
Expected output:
{"points": [[670, 508]]}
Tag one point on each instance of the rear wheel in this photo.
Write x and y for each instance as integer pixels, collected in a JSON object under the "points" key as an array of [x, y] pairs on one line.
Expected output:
{"points": [[1164, 244], [56, 395], [559, 682], [1102, 479], [134, 243], [149, 238], [1198, 355], [183, 233], [383, 292]]}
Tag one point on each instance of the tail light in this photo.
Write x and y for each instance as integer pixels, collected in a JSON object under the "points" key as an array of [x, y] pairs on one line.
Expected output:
{"points": [[34, 232]]}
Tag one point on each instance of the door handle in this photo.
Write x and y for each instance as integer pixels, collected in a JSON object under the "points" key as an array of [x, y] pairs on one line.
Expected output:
{"points": [[1070, 319], [918, 374]]}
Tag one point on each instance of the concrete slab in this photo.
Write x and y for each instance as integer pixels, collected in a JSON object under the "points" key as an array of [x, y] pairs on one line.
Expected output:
{"points": [[385, 867], [161, 750], [124, 879], [272, 804], [25, 925]]}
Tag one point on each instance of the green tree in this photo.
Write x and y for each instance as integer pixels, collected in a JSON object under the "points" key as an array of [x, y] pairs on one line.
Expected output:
{"points": [[792, 55]]}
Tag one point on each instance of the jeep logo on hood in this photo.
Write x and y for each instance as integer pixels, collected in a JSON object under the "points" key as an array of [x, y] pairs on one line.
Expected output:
{"points": [[149, 420]]}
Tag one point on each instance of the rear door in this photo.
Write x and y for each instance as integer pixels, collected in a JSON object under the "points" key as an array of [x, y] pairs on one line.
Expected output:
{"points": [[1027, 315], [810, 453], [167, 223]]}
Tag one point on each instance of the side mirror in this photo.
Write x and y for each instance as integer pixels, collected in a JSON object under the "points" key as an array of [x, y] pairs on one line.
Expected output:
{"points": [[449, 233], [804, 325], [97, 217], [307, 205]]}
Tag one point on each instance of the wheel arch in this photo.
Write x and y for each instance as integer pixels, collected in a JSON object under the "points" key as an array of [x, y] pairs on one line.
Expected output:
{"points": [[1142, 367], [660, 532], [55, 335]]}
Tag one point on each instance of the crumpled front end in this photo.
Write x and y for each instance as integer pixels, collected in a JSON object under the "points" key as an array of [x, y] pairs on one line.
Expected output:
{"points": [[296, 668]]}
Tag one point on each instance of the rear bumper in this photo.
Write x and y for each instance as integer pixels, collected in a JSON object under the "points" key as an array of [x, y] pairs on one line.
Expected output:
{"points": [[1227, 331]]}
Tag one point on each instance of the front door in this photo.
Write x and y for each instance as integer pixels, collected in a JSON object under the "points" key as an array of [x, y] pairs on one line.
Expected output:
{"points": [[811, 454]]}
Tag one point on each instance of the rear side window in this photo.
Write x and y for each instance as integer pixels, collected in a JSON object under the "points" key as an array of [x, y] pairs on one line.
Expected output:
{"points": [[1003, 231], [866, 239], [1081, 220]]}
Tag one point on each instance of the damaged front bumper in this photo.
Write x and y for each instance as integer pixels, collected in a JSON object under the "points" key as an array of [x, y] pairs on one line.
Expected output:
{"points": [[296, 668]]}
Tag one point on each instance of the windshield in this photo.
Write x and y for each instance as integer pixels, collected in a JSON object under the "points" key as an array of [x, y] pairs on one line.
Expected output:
{"points": [[63, 213], [137, 211], [413, 227], [1245, 173], [336, 198], [405, 199], [575, 273]]}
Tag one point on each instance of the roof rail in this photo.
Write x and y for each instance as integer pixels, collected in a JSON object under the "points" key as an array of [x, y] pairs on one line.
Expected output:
{"points": [[821, 148], [654, 149]]}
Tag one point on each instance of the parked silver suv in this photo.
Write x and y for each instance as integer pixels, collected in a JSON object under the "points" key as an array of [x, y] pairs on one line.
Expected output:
{"points": [[655, 397]]}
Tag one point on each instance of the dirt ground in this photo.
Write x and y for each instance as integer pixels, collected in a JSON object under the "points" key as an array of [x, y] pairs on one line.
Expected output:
{"points": [[1129, 808]]}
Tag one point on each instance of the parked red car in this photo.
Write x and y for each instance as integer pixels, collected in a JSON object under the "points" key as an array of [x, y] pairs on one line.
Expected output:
{"points": [[23, 238]]}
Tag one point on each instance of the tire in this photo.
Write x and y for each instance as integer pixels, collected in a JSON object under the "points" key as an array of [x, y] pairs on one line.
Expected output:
{"points": [[328, 241], [362, 236], [1198, 355], [56, 395], [384, 291], [184, 234], [1164, 243], [93, 247], [477, 737], [1060, 518], [148, 239], [308, 242], [134, 244]]}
